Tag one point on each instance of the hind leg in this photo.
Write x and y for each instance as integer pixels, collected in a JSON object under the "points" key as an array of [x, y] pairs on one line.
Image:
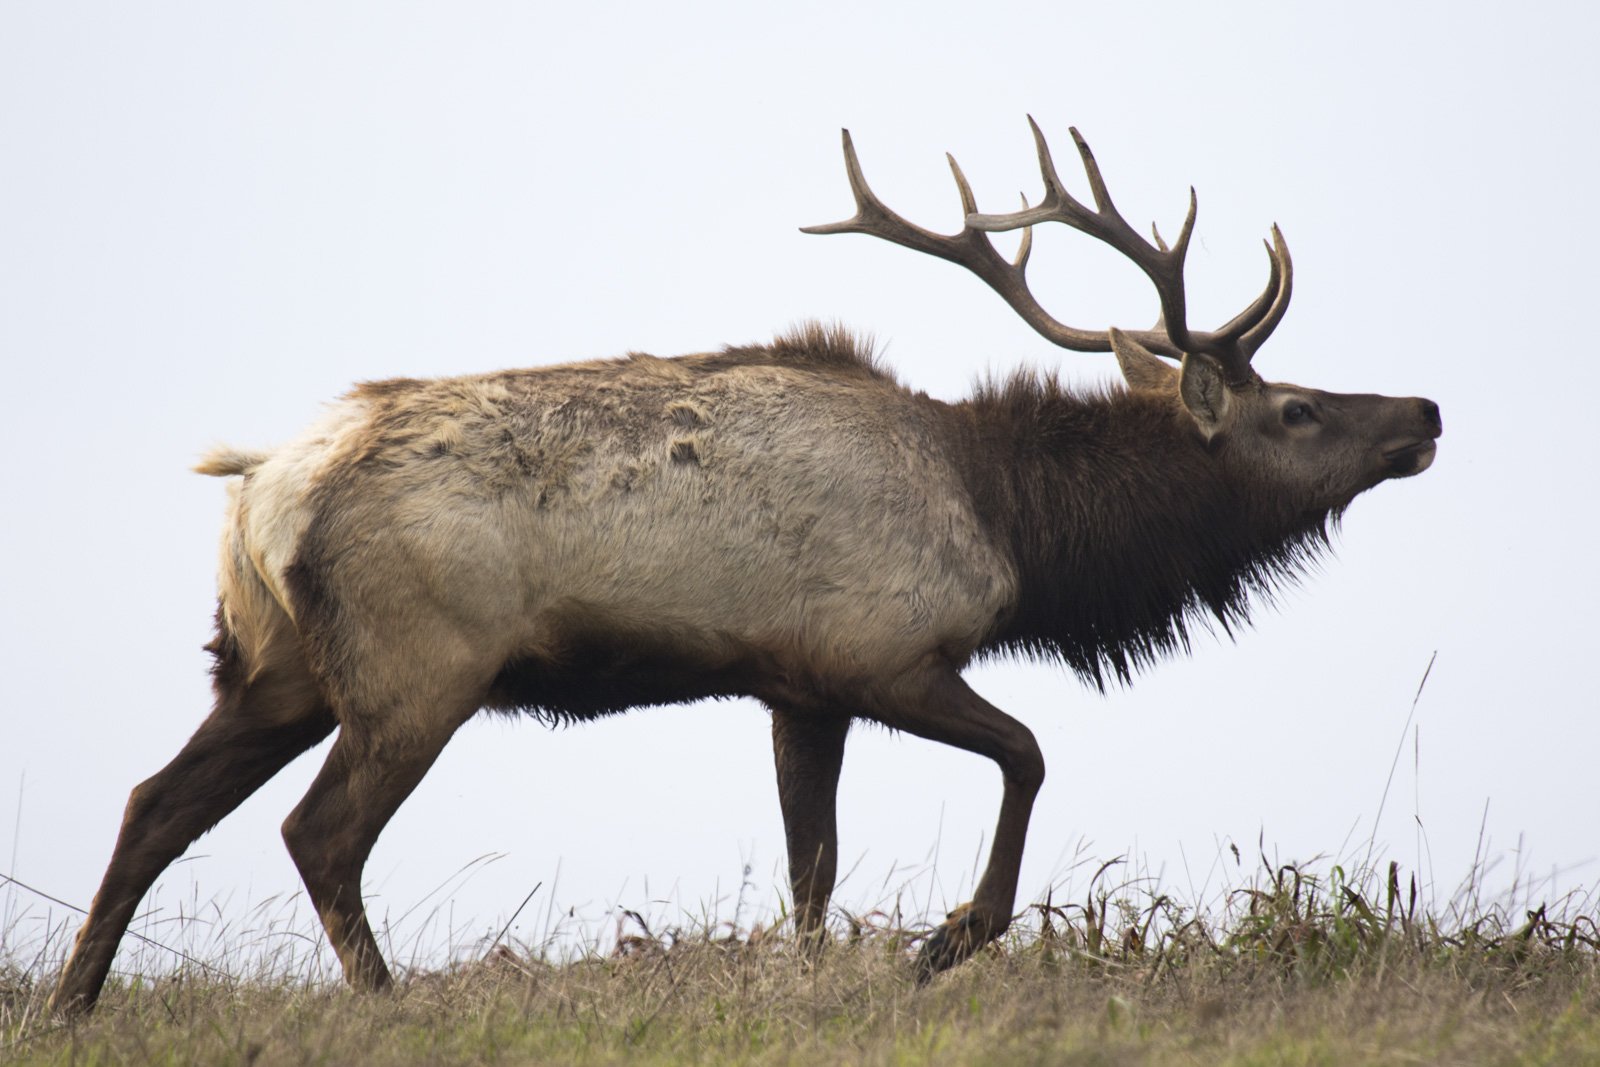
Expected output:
{"points": [[809, 750], [375, 763], [256, 728]]}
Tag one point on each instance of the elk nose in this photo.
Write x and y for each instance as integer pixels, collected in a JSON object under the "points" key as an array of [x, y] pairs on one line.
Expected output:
{"points": [[1430, 416]]}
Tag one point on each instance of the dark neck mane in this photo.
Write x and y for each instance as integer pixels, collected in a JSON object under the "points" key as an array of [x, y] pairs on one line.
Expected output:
{"points": [[1124, 529]]}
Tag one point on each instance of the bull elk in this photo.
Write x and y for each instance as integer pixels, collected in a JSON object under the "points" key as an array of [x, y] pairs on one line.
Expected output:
{"points": [[784, 521]]}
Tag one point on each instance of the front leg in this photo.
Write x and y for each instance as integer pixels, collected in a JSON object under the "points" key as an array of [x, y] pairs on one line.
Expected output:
{"points": [[937, 704], [809, 750]]}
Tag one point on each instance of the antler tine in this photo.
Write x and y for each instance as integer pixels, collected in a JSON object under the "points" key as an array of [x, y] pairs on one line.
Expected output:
{"points": [[1283, 270], [969, 206], [1188, 227], [1241, 323], [1181, 249], [1237, 342], [875, 217], [1054, 190], [1026, 248], [969, 203], [1097, 184]]}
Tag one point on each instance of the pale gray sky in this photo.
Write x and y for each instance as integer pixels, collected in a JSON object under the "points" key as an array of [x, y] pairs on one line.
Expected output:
{"points": [[215, 218]]}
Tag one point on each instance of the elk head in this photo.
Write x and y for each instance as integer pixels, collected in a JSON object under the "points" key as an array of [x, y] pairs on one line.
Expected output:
{"points": [[1310, 450]]}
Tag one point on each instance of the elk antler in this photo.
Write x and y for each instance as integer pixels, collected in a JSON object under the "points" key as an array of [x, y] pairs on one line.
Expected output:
{"points": [[1232, 346]]}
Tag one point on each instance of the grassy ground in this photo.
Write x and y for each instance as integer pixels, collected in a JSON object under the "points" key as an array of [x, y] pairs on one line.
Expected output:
{"points": [[1293, 969]]}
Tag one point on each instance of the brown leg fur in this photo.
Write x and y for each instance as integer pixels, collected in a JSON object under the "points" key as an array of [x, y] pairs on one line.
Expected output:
{"points": [[252, 734], [938, 705], [374, 765], [809, 751]]}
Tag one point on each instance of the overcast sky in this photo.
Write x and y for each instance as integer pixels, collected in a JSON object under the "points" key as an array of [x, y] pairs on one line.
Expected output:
{"points": [[214, 218]]}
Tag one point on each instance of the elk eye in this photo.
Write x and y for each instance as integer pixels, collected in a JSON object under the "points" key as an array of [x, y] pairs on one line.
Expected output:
{"points": [[1297, 413]]}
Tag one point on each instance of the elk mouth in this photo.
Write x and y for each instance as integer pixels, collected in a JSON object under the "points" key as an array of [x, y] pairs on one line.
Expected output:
{"points": [[1409, 459]]}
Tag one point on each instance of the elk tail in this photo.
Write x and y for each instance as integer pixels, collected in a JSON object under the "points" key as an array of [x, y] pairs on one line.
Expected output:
{"points": [[224, 461]]}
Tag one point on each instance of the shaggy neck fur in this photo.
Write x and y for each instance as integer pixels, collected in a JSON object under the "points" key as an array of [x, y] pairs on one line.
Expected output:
{"points": [[1124, 528]]}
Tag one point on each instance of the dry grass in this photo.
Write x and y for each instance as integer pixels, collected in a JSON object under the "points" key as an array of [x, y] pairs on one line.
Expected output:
{"points": [[1291, 968]]}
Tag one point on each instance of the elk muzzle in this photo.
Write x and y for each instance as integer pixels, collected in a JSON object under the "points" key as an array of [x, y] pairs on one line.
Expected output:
{"points": [[1413, 452]]}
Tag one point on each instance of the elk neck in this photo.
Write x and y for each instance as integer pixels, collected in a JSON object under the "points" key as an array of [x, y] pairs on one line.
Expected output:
{"points": [[1124, 528]]}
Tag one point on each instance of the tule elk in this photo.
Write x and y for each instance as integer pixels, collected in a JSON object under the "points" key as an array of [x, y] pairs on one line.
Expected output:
{"points": [[784, 521]]}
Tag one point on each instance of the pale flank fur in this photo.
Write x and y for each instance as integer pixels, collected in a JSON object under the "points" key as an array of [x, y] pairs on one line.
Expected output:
{"points": [[729, 515]]}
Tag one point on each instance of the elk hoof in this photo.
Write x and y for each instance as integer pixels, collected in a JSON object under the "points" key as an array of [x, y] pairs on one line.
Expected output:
{"points": [[69, 1007], [962, 933], [811, 941]]}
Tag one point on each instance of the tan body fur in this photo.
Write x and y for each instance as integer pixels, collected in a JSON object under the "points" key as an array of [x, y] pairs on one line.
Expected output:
{"points": [[695, 505]]}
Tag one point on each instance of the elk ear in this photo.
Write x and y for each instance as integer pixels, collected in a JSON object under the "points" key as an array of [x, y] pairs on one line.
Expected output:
{"points": [[1205, 393], [1141, 367]]}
